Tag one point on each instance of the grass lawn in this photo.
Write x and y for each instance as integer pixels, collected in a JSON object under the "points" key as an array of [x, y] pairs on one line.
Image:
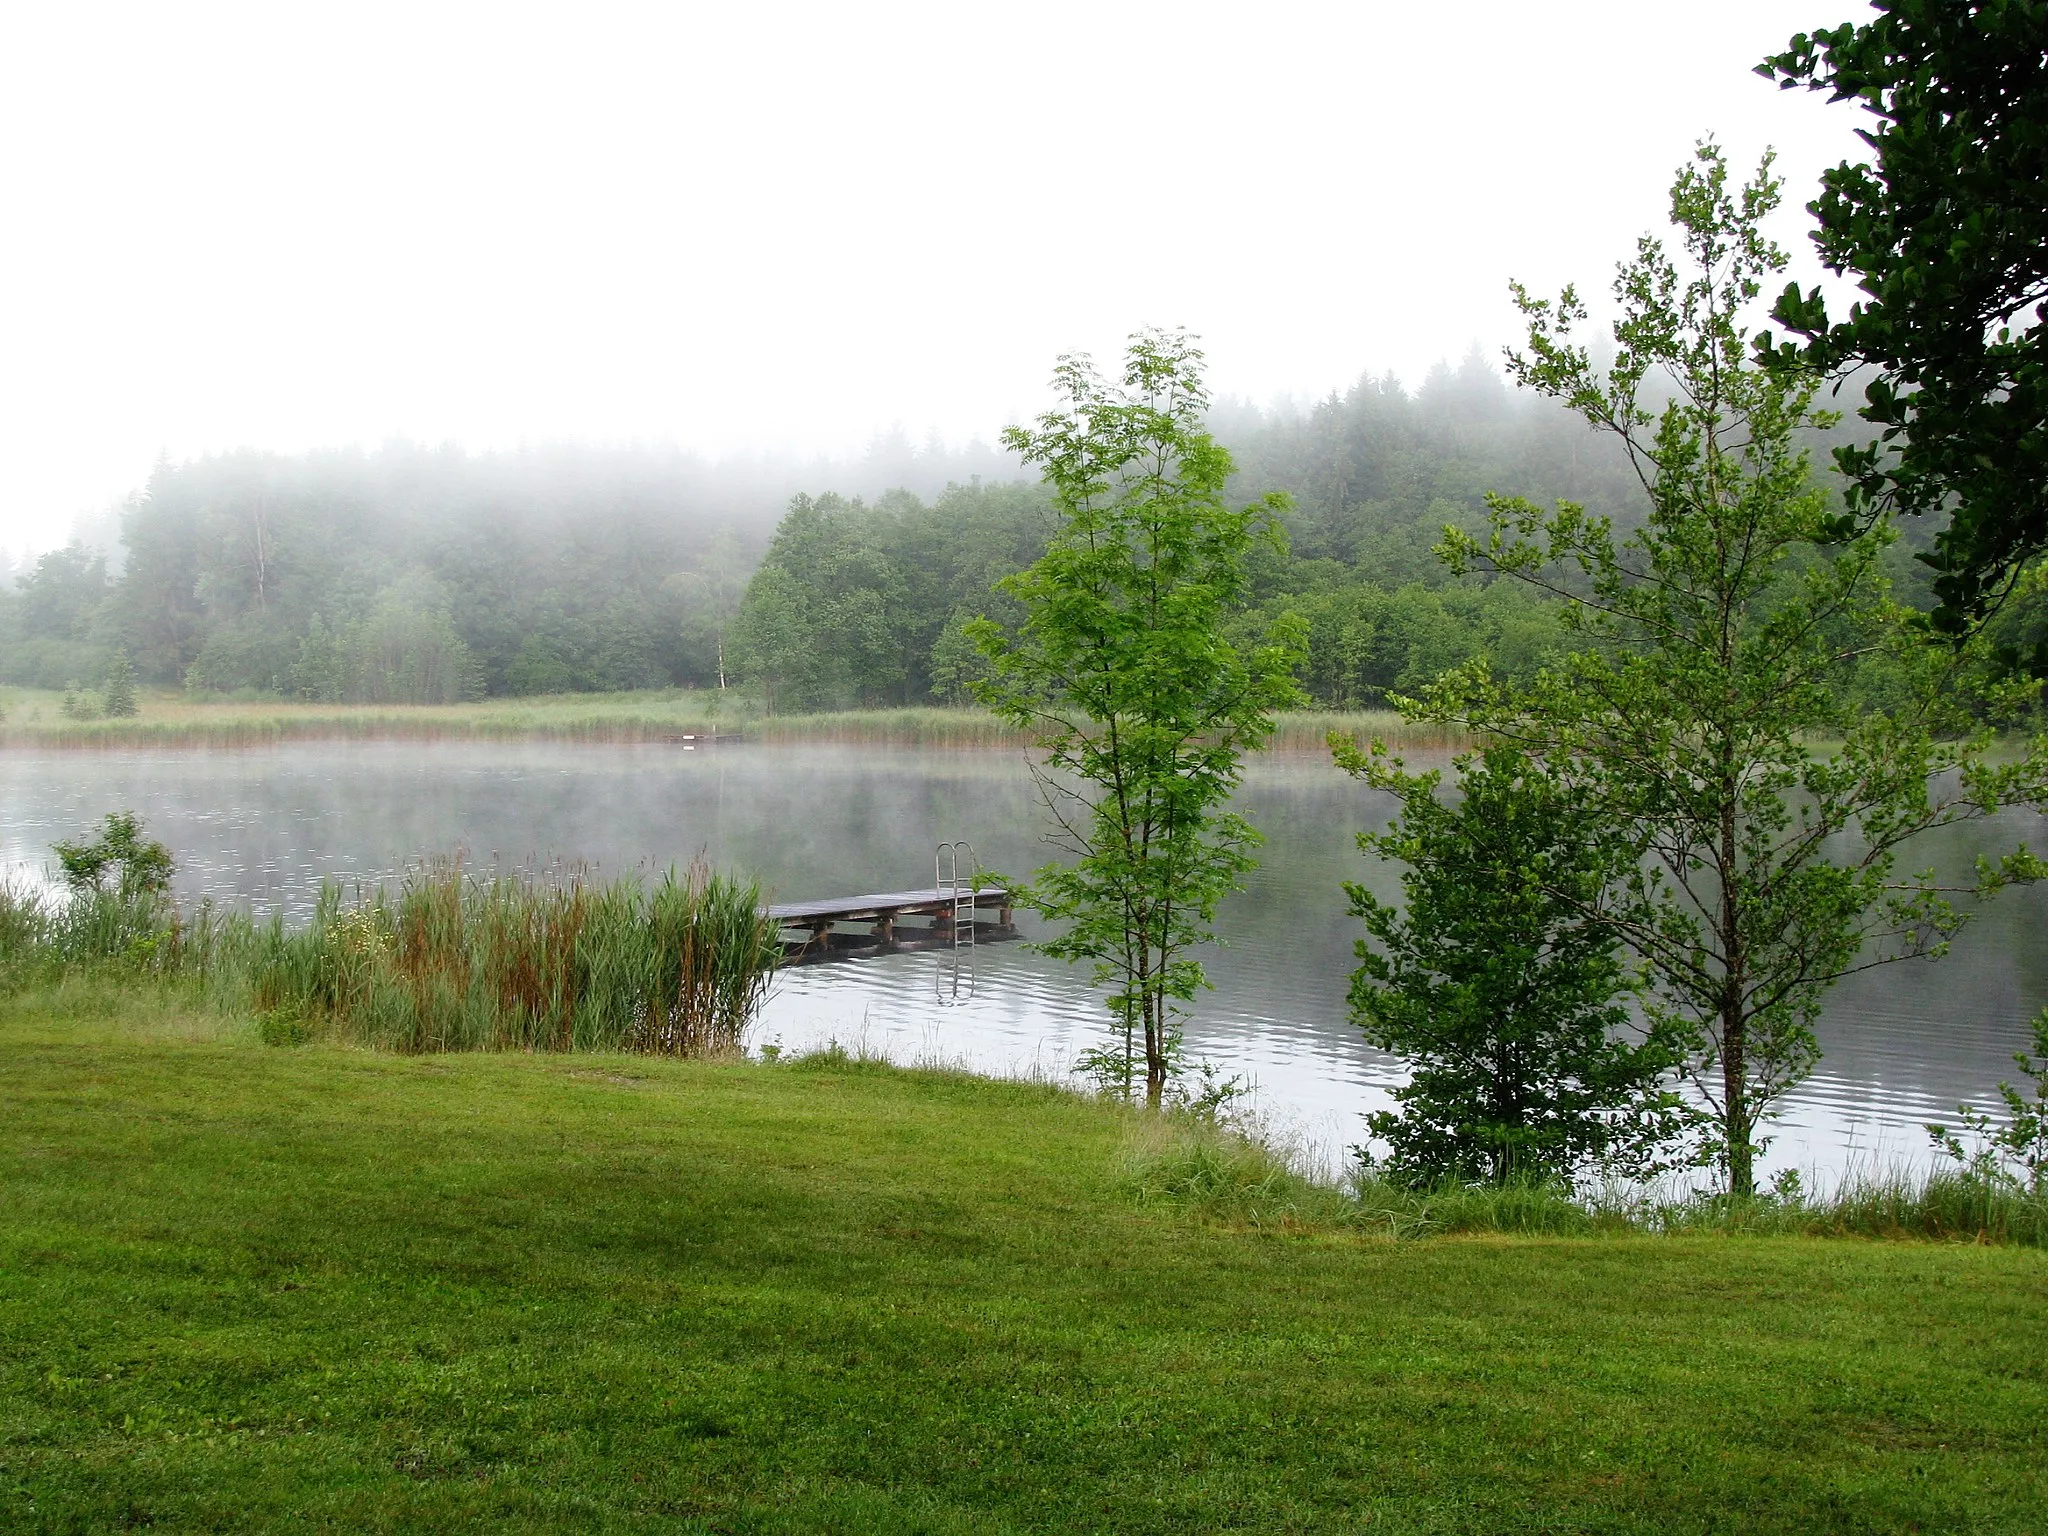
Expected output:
{"points": [[245, 1288]]}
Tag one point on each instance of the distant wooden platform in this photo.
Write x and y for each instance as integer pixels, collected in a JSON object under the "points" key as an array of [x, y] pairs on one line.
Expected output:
{"points": [[886, 933]]}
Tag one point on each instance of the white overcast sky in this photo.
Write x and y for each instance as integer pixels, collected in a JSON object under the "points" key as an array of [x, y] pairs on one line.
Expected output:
{"points": [[739, 227]]}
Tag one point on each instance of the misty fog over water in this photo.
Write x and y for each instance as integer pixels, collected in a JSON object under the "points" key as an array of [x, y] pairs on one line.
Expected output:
{"points": [[1902, 1044]]}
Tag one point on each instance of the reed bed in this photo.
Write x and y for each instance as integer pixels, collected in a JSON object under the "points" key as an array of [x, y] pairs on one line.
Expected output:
{"points": [[43, 934], [911, 727], [171, 720], [450, 961]]}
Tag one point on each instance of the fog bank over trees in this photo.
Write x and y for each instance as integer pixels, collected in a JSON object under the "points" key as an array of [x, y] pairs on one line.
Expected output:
{"points": [[421, 574]]}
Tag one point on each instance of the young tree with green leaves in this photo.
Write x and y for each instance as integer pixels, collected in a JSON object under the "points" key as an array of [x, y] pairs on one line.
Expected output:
{"points": [[138, 866], [1500, 982], [1138, 700], [1700, 709]]}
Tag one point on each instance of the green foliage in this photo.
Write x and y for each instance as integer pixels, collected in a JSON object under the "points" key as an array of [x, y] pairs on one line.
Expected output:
{"points": [[1230, 1175], [117, 700], [260, 572], [867, 605], [116, 914], [1946, 232], [857, 606], [1366, 645], [1376, 471], [710, 592], [281, 1027], [1500, 982], [62, 597], [2017, 635], [1222, 1174], [139, 867], [78, 705], [252, 573], [1703, 708], [2013, 1153], [450, 961], [1140, 702], [406, 650]]}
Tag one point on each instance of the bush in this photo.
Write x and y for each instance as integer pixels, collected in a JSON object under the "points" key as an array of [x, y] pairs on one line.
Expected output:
{"points": [[282, 1028], [1499, 983]]}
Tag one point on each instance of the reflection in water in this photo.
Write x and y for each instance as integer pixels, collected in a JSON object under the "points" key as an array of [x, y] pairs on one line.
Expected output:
{"points": [[1902, 1044]]}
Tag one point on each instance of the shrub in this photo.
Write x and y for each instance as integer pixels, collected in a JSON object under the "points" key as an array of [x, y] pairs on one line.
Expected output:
{"points": [[282, 1028]]}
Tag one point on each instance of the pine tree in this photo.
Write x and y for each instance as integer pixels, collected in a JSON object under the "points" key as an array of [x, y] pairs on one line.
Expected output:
{"points": [[118, 699]]}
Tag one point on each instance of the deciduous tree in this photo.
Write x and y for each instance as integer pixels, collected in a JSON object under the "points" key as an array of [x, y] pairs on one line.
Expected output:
{"points": [[1140, 703], [1946, 232], [1701, 707], [1499, 981]]}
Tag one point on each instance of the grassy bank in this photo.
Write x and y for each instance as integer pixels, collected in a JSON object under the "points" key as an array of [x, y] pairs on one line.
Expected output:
{"points": [[32, 719], [244, 1287]]}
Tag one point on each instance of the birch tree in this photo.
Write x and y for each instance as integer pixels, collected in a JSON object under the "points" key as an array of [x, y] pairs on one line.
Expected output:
{"points": [[1701, 706]]}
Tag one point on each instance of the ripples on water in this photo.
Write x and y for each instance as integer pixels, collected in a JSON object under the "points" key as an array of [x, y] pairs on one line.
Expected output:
{"points": [[1902, 1045]]}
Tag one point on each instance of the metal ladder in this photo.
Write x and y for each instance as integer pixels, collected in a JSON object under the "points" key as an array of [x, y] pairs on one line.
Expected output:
{"points": [[954, 982]]}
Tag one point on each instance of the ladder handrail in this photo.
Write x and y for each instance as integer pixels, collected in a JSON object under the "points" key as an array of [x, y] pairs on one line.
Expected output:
{"points": [[946, 866]]}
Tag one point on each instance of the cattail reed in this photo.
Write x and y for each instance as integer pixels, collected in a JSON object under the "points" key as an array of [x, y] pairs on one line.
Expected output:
{"points": [[533, 961], [449, 961]]}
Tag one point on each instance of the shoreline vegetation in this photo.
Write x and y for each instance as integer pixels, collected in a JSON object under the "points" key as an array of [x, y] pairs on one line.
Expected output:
{"points": [[448, 960], [454, 964], [32, 719]]}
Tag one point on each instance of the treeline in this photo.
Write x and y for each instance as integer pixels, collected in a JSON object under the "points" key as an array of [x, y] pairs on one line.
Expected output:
{"points": [[861, 604], [427, 576]]}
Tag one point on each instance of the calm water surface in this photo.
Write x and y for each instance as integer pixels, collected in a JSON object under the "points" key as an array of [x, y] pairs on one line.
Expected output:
{"points": [[1902, 1045]]}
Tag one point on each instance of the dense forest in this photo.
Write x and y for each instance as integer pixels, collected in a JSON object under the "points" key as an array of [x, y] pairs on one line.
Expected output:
{"points": [[423, 574], [431, 575]]}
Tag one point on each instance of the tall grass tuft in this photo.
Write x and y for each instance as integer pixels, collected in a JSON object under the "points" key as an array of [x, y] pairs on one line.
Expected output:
{"points": [[449, 961], [1943, 1206], [540, 962], [1228, 1174], [139, 933]]}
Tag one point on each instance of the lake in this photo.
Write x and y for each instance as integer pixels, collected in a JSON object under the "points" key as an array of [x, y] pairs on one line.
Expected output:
{"points": [[1903, 1044]]}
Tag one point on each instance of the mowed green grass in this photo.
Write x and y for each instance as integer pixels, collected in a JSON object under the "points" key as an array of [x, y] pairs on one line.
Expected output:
{"points": [[245, 1288]]}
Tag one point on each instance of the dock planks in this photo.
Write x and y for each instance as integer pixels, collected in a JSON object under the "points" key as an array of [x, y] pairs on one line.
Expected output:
{"points": [[883, 912]]}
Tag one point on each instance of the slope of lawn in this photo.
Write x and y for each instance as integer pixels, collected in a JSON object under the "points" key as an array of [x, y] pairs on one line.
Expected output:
{"points": [[245, 1288]]}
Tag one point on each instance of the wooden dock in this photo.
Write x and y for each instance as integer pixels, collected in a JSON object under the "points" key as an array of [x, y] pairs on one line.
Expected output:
{"points": [[885, 932]]}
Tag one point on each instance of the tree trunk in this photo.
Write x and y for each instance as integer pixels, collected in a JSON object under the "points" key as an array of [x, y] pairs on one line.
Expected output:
{"points": [[1736, 1123], [1736, 1116], [1155, 1049]]}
